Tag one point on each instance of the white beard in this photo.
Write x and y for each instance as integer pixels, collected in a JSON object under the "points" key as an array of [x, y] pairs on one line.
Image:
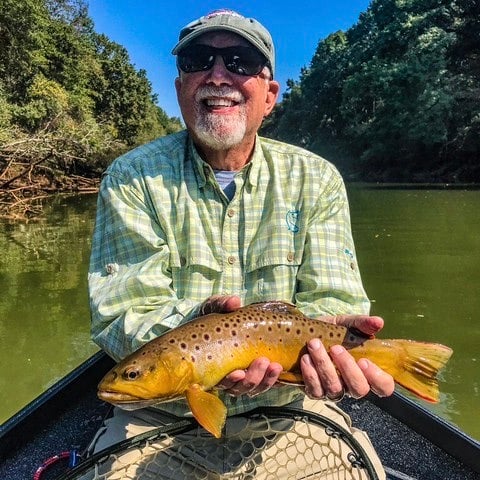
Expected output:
{"points": [[219, 132]]}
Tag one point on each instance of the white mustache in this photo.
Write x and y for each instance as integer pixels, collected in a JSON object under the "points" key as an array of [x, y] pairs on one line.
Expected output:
{"points": [[210, 92]]}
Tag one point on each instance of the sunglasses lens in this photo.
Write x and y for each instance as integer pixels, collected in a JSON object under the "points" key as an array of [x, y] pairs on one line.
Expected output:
{"points": [[244, 61], [195, 59], [239, 60]]}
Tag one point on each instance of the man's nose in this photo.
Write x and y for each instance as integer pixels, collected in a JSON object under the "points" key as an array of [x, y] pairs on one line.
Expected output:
{"points": [[219, 74]]}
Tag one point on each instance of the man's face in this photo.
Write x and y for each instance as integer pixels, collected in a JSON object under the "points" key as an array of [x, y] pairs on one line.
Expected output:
{"points": [[223, 109]]}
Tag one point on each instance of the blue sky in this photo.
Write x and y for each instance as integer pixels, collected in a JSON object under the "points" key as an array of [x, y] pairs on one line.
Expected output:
{"points": [[149, 29]]}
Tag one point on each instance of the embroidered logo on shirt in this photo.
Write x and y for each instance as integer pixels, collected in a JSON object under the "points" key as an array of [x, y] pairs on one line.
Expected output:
{"points": [[349, 254], [292, 218]]}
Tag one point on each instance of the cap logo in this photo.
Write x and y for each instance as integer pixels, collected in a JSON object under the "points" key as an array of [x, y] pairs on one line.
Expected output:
{"points": [[221, 11]]}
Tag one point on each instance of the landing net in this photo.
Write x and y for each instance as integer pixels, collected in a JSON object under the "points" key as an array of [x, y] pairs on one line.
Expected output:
{"points": [[269, 444]]}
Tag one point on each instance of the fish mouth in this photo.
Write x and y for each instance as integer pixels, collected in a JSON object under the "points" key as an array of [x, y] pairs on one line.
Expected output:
{"points": [[125, 401], [130, 402]]}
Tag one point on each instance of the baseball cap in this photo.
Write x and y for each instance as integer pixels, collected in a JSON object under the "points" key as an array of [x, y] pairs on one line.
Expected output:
{"points": [[231, 21]]}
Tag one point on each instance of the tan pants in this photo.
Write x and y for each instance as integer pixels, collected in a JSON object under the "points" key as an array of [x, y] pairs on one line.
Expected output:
{"points": [[245, 451]]}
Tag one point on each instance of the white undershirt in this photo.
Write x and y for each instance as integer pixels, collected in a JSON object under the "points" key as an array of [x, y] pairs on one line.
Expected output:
{"points": [[226, 182]]}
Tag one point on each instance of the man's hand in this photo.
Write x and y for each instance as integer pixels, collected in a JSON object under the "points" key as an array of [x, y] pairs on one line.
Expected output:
{"points": [[326, 374], [334, 373]]}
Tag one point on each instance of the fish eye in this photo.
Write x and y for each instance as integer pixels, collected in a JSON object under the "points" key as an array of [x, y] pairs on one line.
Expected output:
{"points": [[131, 373]]}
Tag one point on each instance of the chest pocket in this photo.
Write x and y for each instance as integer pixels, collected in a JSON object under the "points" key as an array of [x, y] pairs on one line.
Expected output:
{"points": [[272, 271], [195, 276]]}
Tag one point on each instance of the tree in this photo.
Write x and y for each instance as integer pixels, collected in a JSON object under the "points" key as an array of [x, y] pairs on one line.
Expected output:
{"points": [[398, 91]]}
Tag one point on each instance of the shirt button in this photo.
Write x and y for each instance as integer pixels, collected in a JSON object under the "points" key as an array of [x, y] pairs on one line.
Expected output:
{"points": [[231, 212], [231, 260], [290, 257]]}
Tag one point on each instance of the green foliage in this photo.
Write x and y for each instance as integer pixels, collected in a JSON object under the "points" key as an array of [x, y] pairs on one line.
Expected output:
{"points": [[60, 79], [396, 97]]}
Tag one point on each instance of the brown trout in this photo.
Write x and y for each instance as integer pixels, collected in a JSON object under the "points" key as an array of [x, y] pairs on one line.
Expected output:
{"points": [[190, 360]]}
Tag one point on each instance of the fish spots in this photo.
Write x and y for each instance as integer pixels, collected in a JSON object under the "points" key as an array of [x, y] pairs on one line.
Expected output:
{"points": [[172, 341], [218, 329], [194, 336], [192, 358], [206, 337], [298, 331], [234, 333], [183, 346]]}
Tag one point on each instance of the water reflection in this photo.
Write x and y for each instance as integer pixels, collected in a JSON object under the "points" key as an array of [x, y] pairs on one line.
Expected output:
{"points": [[418, 253], [44, 318]]}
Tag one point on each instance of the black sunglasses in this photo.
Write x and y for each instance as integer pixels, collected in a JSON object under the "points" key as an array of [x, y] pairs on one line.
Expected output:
{"points": [[240, 60]]}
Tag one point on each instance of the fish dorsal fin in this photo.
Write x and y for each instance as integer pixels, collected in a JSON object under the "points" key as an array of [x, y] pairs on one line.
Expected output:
{"points": [[209, 411], [277, 306]]}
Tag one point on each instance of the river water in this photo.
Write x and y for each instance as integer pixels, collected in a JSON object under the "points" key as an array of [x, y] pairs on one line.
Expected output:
{"points": [[418, 251]]}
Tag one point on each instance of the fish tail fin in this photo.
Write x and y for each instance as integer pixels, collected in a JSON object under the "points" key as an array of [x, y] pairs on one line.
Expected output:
{"points": [[414, 365]]}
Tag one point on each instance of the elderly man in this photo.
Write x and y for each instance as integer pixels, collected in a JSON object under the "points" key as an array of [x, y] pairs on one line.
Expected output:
{"points": [[214, 217]]}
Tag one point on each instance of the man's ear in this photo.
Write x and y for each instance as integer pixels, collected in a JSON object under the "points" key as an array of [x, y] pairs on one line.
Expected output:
{"points": [[272, 96], [178, 84]]}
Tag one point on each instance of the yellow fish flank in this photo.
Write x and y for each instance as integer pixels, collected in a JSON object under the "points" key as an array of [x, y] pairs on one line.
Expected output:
{"points": [[190, 360]]}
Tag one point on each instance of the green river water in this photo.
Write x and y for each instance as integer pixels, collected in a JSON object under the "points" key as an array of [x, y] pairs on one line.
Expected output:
{"points": [[418, 250]]}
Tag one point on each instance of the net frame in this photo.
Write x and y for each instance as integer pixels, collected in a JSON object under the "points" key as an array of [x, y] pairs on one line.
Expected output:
{"points": [[356, 455]]}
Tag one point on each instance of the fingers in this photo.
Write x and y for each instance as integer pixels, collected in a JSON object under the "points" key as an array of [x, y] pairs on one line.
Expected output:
{"points": [[220, 304], [381, 383], [331, 374], [260, 376], [365, 323], [319, 372], [356, 384]]}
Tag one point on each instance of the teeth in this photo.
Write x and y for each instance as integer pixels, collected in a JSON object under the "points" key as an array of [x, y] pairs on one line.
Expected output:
{"points": [[219, 102]]}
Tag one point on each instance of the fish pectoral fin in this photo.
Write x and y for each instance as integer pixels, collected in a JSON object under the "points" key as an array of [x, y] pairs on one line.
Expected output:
{"points": [[291, 378], [209, 411]]}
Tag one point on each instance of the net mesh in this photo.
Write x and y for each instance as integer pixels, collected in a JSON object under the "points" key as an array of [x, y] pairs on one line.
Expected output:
{"points": [[269, 444]]}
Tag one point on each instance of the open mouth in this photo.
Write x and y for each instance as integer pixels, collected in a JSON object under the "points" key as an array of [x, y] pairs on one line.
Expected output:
{"points": [[218, 103]]}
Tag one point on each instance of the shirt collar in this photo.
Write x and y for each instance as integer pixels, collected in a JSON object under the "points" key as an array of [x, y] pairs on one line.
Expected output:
{"points": [[251, 171]]}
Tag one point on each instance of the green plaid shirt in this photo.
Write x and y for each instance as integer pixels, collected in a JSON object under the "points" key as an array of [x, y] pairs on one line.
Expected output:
{"points": [[167, 237]]}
